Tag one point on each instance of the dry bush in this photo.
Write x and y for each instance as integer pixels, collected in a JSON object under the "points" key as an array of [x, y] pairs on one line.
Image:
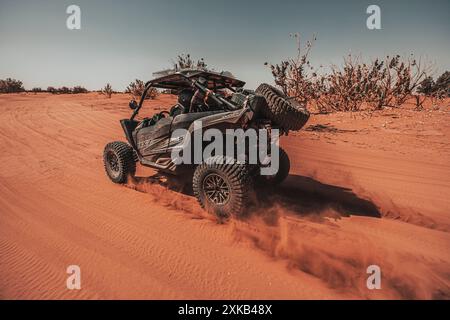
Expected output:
{"points": [[107, 91], [67, 90], [435, 91], [36, 90], [441, 88], [79, 89], [426, 87], [373, 86], [136, 88], [11, 86], [63, 90], [51, 90], [152, 93], [184, 61], [357, 85], [295, 76]]}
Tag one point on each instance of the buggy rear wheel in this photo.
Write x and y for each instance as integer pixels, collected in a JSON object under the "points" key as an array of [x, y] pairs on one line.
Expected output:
{"points": [[222, 188], [282, 172]]}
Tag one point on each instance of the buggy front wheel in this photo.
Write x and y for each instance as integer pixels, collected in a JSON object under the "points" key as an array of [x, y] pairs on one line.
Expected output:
{"points": [[119, 162]]}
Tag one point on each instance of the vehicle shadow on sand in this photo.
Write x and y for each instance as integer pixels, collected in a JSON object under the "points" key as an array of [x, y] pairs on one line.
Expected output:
{"points": [[300, 195], [307, 196]]}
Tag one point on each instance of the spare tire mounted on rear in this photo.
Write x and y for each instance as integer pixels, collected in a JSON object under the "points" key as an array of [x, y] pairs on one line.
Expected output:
{"points": [[284, 112]]}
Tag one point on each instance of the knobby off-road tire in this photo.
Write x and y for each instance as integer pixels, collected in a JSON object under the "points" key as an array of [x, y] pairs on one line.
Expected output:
{"points": [[287, 114], [282, 173], [222, 189], [118, 159]]}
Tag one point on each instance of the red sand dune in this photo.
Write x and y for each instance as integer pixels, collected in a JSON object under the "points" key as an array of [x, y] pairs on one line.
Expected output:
{"points": [[363, 190]]}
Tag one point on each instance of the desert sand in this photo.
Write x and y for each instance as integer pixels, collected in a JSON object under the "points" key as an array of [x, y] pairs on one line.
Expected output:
{"points": [[363, 189]]}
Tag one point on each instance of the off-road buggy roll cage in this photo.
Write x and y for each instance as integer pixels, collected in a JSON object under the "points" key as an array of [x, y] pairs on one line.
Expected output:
{"points": [[205, 81]]}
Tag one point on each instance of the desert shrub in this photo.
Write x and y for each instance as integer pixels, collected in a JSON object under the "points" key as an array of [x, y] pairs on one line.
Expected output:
{"points": [[436, 91], [442, 85], [184, 61], [107, 90], [52, 90], [152, 93], [79, 89], [63, 90], [375, 85], [11, 86], [426, 87], [357, 85], [295, 76], [136, 89], [36, 89]]}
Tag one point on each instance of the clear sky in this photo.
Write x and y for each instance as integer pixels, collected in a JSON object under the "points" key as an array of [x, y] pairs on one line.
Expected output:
{"points": [[123, 40]]}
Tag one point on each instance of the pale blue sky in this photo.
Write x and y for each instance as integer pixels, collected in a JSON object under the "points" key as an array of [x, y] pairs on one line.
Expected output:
{"points": [[123, 40]]}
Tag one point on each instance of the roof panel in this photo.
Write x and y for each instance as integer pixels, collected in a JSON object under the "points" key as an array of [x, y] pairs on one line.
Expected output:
{"points": [[180, 79]]}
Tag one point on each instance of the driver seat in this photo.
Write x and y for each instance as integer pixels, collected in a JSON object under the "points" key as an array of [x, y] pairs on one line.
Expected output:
{"points": [[184, 99]]}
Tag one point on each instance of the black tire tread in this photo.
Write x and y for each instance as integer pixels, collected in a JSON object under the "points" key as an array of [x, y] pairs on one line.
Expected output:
{"points": [[125, 154], [280, 110], [239, 177]]}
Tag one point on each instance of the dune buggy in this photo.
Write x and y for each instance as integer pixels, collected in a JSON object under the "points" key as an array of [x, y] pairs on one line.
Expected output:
{"points": [[215, 100]]}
